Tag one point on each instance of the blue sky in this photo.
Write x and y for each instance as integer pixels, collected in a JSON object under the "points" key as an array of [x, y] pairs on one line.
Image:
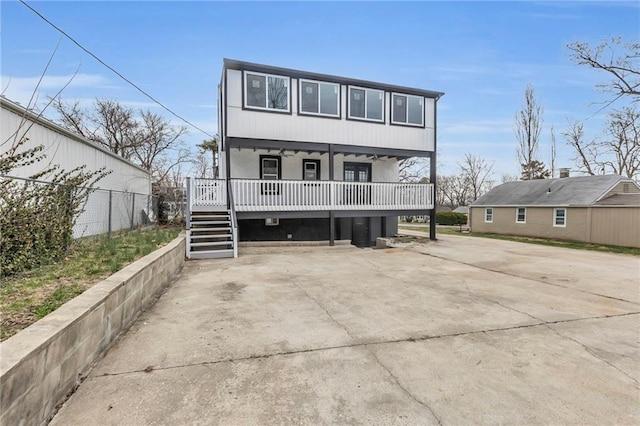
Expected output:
{"points": [[481, 54]]}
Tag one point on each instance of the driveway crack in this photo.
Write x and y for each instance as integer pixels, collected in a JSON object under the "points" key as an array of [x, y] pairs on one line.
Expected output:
{"points": [[592, 353], [326, 311], [405, 390]]}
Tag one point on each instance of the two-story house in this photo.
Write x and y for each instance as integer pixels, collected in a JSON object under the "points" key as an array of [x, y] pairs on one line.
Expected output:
{"points": [[307, 156]]}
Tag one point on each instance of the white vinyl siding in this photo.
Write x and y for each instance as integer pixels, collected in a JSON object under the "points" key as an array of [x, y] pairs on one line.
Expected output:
{"points": [[267, 92], [255, 123], [521, 215], [488, 215], [407, 109], [319, 98], [560, 217], [366, 104]]}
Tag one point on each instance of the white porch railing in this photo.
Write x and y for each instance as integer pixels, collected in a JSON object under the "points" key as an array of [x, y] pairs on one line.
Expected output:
{"points": [[294, 195], [207, 194]]}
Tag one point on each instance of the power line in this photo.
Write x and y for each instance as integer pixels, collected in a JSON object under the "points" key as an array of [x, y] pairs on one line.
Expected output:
{"points": [[138, 88]]}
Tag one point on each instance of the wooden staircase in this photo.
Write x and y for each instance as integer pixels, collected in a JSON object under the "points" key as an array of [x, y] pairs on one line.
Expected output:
{"points": [[210, 235]]}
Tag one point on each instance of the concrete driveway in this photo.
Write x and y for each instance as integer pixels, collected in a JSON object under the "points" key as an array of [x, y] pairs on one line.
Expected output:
{"points": [[458, 332]]}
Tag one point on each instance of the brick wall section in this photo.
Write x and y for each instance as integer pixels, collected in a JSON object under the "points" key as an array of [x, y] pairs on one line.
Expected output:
{"points": [[42, 364]]}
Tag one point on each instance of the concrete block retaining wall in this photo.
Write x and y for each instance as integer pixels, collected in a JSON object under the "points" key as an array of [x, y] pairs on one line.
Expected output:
{"points": [[45, 362]]}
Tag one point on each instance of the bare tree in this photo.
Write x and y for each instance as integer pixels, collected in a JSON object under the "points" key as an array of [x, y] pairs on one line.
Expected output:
{"points": [[412, 169], [527, 127], [508, 178], [618, 59], [201, 165], [476, 173], [617, 152], [146, 139]]}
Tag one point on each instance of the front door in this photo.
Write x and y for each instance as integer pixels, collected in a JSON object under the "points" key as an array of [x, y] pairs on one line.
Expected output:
{"points": [[358, 172]]}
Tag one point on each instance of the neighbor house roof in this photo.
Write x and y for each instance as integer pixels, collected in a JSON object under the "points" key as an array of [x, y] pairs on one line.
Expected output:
{"points": [[462, 209], [570, 191]]}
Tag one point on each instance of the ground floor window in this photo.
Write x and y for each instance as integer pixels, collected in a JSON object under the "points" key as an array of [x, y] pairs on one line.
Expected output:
{"points": [[521, 215], [488, 215], [560, 217]]}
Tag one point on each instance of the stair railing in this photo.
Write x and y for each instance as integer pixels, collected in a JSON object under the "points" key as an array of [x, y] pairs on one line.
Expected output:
{"points": [[234, 219]]}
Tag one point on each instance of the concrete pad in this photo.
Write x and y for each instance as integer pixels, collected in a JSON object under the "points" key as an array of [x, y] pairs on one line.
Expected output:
{"points": [[337, 386], [286, 335], [571, 268], [519, 376]]}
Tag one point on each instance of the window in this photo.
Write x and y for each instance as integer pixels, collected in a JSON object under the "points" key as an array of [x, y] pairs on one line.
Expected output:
{"points": [[407, 109], [488, 215], [311, 169], [272, 221], [319, 98], [521, 215], [270, 169], [560, 217], [366, 104], [270, 92]]}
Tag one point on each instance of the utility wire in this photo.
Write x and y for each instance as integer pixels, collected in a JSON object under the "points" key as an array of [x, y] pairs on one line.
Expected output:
{"points": [[114, 70]]}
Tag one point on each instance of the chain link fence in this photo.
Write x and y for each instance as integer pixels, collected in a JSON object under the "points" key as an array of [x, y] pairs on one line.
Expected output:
{"points": [[107, 211]]}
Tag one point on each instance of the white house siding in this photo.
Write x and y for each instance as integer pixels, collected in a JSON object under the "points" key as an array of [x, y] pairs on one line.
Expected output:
{"points": [[245, 164], [70, 151], [245, 123]]}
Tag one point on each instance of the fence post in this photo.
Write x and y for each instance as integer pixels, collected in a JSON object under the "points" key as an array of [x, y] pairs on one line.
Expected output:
{"points": [[110, 205], [133, 209]]}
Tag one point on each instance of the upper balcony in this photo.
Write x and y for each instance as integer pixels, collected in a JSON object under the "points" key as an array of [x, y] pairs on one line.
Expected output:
{"points": [[269, 103]]}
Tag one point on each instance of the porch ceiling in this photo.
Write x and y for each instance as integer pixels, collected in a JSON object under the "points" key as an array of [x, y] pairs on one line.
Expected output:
{"points": [[322, 148]]}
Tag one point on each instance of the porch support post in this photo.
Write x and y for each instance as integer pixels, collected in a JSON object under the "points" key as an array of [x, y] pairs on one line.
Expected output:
{"points": [[332, 219], [433, 175]]}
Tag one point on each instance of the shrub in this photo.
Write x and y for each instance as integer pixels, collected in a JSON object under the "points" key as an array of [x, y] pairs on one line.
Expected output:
{"points": [[451, 218], [37, 218]]}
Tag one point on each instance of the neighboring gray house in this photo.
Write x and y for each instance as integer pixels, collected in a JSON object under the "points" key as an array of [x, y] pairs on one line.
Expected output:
{"points": [[592, 209], [307, 156], [461, 209]]}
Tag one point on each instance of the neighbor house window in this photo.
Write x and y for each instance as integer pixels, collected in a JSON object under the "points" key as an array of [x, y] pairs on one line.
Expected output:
{"points": [[366, 104], [319, 98], [270, 169], [311, 169], [488, 215], [407, 109], [264, 91], [521, 215], [560, 217]]}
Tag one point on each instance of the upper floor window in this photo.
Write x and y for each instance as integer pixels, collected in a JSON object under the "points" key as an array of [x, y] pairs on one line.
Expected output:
{"points": [[319, 98], [407, 109], [521, 215], [366, 104], [264, 91]]}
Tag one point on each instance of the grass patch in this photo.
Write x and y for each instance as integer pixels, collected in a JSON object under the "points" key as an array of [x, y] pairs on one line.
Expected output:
{"points": [[29, 296], [454, 230]]}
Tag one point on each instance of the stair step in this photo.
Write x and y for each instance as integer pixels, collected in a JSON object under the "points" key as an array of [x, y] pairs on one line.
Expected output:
{"points": [[214, 254], [201, 219], [222, 228], [211, 236], [213, 243], [210, 222]]}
